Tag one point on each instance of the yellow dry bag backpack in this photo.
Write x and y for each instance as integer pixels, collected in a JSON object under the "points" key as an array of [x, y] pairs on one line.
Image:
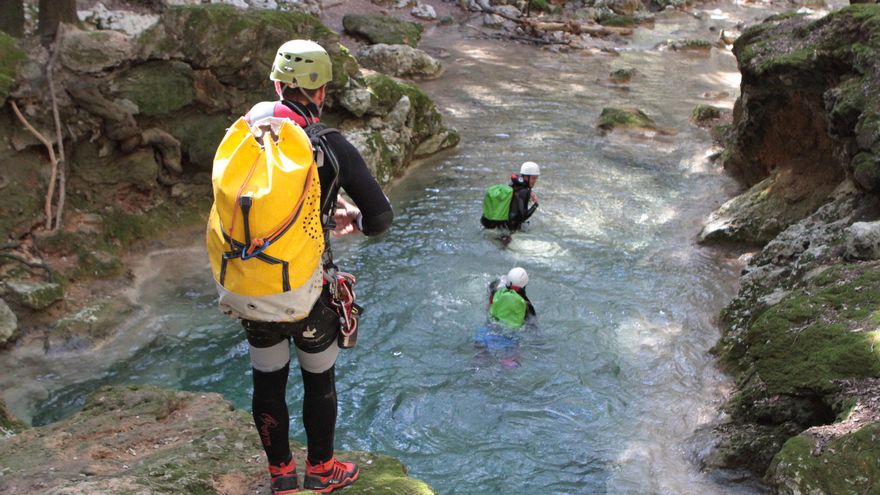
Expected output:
{"points": [[265, 237]]}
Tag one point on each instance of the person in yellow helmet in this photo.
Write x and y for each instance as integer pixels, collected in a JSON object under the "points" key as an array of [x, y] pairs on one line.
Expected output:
{"points": [[301, 71]]}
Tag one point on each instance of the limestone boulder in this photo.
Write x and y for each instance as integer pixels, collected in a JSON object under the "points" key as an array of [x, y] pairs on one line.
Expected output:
{"points": [[863, 241], [94, 52], [399, 61], [153, 440], [8, 323], [424, 11]]}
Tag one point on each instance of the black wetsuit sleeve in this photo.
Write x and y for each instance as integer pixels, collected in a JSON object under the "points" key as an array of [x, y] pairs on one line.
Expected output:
{"points": [[357, 181], [519, 211], [530, 309]]}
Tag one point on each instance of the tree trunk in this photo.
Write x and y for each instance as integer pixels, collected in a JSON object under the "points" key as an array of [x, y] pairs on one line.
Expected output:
{"points": [[53, 12], [12, 17]]}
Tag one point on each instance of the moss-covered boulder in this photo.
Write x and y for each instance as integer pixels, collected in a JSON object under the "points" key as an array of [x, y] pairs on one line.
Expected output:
{"points": [[847, 464], [156, 88], [622, 75], [10, 58], [238, 46], [142, 439], [383, 29], [809, 81], [627, 118], [705, 115], [101, 177], [34, 295]]}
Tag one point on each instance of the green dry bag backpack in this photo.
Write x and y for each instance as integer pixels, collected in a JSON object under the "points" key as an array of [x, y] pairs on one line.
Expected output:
{"points": [[496, 202]]}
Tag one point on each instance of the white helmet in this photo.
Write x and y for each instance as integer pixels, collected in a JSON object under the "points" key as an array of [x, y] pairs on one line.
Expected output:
{"points": [[529, 168], [517, 276]]}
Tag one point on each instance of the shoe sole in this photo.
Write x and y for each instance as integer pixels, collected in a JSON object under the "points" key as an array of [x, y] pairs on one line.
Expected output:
{"points": [[341, 484]]}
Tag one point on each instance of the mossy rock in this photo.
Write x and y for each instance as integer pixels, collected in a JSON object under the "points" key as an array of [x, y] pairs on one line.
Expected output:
{"points": [[237, 45], [34, 295], [157, 87], [11, 57], [613, 118], [100, 177], [705, 114], [690, 45], [89, 325], [199, 135], [819, 334], [143, 439], [847, 464], [383, 29], [22, 204], [866, 171], [622, 75], [617, 20]]}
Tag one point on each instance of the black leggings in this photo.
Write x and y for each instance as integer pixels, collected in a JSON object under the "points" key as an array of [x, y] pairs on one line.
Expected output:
{"points": [[272, 418]]}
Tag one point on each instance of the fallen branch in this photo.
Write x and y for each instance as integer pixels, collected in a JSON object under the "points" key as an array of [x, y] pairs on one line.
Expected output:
{"points": [[53, 161], [61, 165], [31, 264]]}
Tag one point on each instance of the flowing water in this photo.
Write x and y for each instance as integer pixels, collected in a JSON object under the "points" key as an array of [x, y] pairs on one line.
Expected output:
{"points": [[604, 395]]}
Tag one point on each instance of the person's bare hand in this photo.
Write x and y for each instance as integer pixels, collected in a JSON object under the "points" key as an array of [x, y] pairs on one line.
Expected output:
{"points": [[534, 197], [345, 218]]}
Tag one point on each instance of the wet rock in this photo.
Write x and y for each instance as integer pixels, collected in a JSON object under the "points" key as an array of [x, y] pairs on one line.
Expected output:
{"points": [[142, 439], [863, 241], [622, 75], [399, 61], [34, 295], [613, 118], [94, 51], [8, 323], [705, 115], [383, 29]]}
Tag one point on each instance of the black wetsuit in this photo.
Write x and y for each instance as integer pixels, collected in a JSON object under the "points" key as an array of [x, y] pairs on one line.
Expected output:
{"points": [[319, 403], [519, 206]]}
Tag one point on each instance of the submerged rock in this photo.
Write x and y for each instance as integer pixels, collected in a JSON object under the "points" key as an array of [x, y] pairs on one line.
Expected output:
{"points": [[142, 439], [613, 118]]}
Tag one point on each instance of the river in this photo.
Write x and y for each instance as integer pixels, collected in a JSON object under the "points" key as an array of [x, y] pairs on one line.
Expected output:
{"points": [[605, 394]]}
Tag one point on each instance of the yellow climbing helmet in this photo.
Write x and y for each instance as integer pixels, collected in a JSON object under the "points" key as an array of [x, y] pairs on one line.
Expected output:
{"points": [[303, 63]]}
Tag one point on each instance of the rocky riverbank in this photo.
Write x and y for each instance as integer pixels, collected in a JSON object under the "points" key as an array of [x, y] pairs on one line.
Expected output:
{"points": [[801, 336]]}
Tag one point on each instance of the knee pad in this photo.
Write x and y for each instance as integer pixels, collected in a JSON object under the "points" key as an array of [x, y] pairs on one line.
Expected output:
{"points": [[318, 362]]}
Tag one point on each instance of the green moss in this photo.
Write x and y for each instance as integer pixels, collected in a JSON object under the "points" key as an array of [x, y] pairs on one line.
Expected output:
{"points": [[784, 16], [692, 45], [10, 58], [383, 29], [612, 118], [866, 170], [9, 424], [622, 75], [541, 5], [818, 335], [157, 88], [703, 113], [848, 464], [617, 20]]}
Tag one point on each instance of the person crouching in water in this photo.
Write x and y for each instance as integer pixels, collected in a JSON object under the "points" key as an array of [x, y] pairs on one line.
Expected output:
{"points": [[507, 207], [301, 71], [508, 302], [509, 309]]}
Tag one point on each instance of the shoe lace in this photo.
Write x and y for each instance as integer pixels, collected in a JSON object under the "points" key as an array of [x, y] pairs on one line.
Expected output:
{"points": [[282, 469]]}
